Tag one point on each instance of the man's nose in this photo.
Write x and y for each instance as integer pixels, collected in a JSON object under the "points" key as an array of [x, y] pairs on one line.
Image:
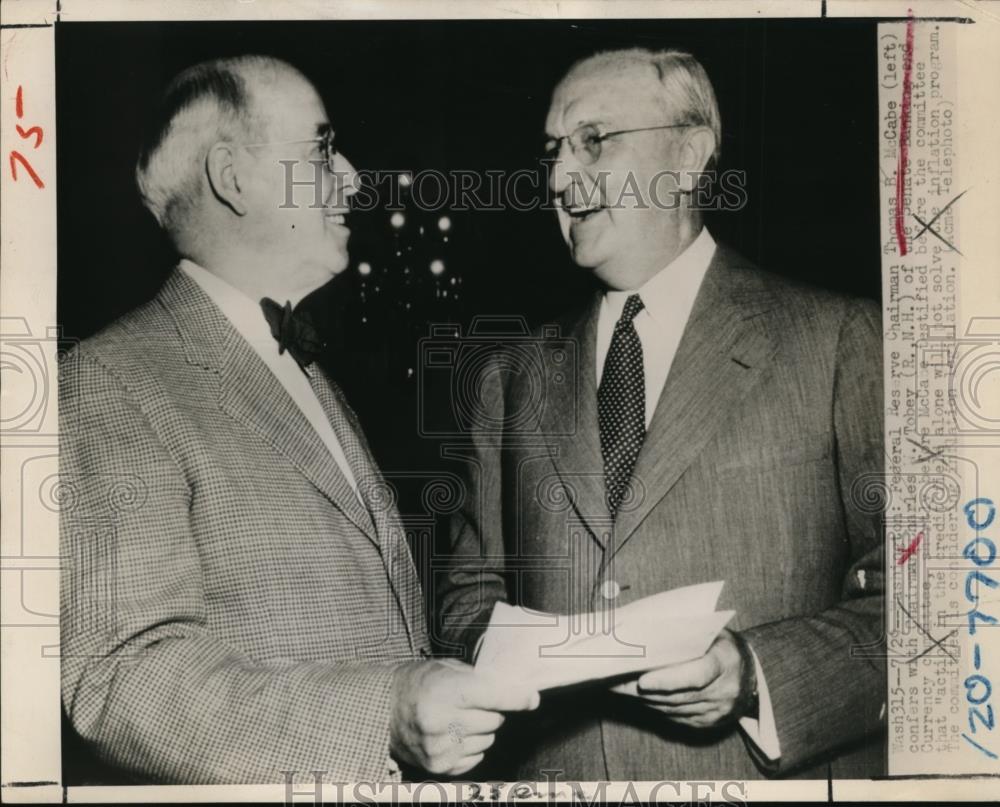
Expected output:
{"points": [[564, 169], [348, 181], [571, 181]]}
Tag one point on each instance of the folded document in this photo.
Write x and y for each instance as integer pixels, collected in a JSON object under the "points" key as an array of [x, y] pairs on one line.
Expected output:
{"points": [[553, 650]]}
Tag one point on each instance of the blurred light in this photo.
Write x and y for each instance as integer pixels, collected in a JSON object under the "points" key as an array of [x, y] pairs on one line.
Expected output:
{"points": [[397, 219], [405, 180], [437, 266], [444, 224], [364, 268]]}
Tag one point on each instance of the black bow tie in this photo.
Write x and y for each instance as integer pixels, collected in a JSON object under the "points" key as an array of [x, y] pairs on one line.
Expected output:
{"points": [[294, 331]]}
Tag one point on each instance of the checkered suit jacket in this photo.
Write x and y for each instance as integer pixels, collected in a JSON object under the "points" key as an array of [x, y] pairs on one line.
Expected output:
{"points": [[758, 468], [228, 610]]}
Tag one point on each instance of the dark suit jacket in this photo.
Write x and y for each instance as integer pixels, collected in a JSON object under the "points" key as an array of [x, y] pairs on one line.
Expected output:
{"points": [[753, 471], [228, 611]]}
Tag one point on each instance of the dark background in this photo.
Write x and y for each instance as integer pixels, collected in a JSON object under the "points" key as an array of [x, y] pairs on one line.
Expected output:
{"points": [[799, 116]]}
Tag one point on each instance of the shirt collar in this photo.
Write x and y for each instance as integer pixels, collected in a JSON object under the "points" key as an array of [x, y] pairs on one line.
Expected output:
{"points": [[243, 313], [671, 291]]}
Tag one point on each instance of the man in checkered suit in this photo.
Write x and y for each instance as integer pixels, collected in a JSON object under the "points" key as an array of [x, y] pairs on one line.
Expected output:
{"points": [[238, 601]]}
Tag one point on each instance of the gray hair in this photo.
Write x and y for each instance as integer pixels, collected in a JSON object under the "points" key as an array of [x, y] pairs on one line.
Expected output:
{"points": [[204, 104], [686, 93]]}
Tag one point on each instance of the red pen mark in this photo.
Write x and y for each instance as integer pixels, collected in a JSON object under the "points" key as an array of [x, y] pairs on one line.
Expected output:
{"points": [[35, 131], [25, 134], [910, 550], [904, 127], [15, 157]]}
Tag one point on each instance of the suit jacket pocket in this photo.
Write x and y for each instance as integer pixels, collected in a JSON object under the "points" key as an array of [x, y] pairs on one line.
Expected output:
{"points": [[802, 449]]}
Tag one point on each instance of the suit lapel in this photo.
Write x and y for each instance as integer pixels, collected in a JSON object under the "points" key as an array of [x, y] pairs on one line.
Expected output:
{"points": [[250, 394], [388, 523], [570, 428], [721, 357]]}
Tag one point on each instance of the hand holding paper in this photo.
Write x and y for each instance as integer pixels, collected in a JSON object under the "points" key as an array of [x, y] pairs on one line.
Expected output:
{"points": [[551, 650], [444, 717], [702, 692]]}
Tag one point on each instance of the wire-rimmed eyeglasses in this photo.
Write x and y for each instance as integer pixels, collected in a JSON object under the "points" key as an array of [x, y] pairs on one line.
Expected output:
{"points": [[585, 141], [326, 141]]}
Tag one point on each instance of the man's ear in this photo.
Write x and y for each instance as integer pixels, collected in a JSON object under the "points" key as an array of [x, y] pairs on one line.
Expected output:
{"points": [[696, 150], [223, 177]]}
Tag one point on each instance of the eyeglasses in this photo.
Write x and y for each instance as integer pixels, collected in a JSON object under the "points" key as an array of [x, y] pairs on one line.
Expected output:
{"points": [[585, 141], [326, 141]]}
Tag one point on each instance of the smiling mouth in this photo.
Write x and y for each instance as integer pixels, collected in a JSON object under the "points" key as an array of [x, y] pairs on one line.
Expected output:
{"points": [[336, 218]]}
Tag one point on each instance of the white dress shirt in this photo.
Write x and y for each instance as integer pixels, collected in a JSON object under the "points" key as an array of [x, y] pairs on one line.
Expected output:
{"points": [[667, 299], [247, 317]]}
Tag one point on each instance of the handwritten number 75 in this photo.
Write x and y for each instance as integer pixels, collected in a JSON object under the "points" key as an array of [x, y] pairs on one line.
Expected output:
{"points": [[25, 134]]}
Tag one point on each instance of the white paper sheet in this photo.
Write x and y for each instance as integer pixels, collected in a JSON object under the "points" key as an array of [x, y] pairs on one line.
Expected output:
{"points": [[552, 650]]}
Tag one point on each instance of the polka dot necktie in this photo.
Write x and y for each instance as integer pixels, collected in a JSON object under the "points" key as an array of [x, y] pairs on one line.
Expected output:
{"points": [[621, 405]]}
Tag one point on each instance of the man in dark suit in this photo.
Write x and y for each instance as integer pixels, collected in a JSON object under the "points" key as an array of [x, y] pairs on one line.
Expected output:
{"points": [[237, 601], [720, 423]]}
